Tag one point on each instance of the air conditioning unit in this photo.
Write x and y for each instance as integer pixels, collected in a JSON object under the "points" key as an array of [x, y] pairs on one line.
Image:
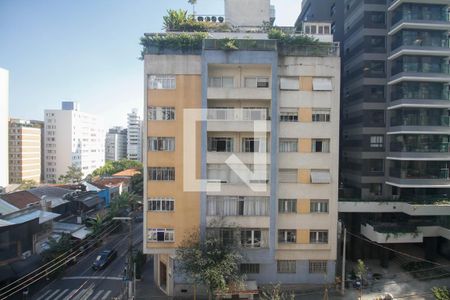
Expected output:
{"points": [[26, 254]]}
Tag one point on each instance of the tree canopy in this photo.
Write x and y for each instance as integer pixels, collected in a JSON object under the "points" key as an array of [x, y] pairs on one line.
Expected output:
{"points": [[210, 263], [73, 175], [112, 167]]}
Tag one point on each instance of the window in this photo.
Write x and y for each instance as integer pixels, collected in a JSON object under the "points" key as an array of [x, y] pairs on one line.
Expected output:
{"points": [[252, 238], [375, 165], [319, 206], [287, 236], [161, 144], [320, 176], [288, 175], [288, 115], [321, 115], [286, 266], [286, 206], [256, 82], [321, 145], [318, 236], [253, 145], [377, 17], [376, 189], [161, 204], [220, 144], [237, 206], [160, 235], [161, 113], [161, 174], [254, 113], [249, 268], [376, 141], [221, 82], [288, 145], [162, 82], [289, 83], [322, 84], [318, 266]]}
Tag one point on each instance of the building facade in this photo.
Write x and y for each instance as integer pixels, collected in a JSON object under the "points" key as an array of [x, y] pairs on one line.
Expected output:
{"points": [[134, 136], [116, 144], [4, 116], [259, 126], [394, 137], [72, 138], [25, 150]]}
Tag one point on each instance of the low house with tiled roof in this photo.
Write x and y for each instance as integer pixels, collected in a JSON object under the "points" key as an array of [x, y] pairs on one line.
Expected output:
{"points": [[127, 173], [115, 185]]}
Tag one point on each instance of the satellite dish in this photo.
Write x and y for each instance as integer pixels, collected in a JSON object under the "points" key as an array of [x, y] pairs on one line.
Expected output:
{"points": [[221, 19], [200, 19], [214, 19], [208, 19]]}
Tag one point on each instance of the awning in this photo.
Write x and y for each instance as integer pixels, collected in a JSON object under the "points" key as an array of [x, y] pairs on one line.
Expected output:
{"points": [[320, 176], [82, 233]]}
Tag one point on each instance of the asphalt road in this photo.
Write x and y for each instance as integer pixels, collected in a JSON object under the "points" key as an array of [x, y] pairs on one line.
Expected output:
{"points": [[80, 282]]}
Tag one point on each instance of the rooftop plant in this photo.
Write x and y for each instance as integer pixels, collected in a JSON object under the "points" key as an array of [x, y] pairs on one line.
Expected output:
{"points": [[179, 20], [183, 42]]}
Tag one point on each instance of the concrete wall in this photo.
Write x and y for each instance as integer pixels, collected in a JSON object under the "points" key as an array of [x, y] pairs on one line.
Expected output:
{"points": [[4, 116]]}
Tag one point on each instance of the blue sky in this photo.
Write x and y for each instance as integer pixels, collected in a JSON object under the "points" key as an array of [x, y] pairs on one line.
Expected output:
{"points": [[86, 51]]}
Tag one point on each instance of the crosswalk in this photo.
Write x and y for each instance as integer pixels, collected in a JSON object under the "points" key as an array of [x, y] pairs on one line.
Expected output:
{"points": [[75, 294]]}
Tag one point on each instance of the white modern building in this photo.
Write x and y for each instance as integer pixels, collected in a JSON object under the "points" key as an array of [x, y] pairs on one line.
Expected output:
{"points": [[116, 144], [72, 138], [134, 145], [4, 115]]}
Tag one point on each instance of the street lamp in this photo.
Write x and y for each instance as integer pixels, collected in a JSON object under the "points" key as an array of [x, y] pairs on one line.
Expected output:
{"points": [[130, 272]]}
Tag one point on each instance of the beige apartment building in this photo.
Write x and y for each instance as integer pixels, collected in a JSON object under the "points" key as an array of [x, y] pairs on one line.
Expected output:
{"points": [[25, 154], [260, 164]]}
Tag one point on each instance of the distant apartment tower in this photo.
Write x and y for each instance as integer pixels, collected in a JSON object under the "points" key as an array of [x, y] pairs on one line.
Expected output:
{"points": [[287, 230], [134, 136], [116, 144], [4, 116], [72, 138], [25, 150]]}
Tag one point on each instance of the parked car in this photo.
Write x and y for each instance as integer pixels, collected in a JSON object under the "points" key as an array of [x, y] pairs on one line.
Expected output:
{"points": [[103, 259]]}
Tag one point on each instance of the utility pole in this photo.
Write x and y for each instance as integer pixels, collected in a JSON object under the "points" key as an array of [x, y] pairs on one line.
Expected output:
{"points": [[343, 260], [130, 273]]}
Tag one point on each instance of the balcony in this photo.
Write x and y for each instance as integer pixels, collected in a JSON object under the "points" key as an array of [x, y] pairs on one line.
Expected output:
{"points": [[420, 42], [239, 93], [428, 207], [432, 94], [417, 174], [393, 4], [245, 157], [423, 72], [238, 120], [420, 17], [416, 147], [391, 233]]}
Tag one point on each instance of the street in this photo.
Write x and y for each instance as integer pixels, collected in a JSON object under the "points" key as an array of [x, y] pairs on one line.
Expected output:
{"points": [[80, 282]]}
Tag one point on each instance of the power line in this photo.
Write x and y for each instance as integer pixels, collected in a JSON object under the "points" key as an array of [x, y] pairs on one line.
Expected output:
{"points": [[48, 270]]}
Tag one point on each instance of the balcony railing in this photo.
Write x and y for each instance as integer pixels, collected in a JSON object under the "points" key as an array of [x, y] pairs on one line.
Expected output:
{"points": [[421, 42], [422, 16], [237, 114], [428, 148], [420, 95], [440, 68], [240, 44]]}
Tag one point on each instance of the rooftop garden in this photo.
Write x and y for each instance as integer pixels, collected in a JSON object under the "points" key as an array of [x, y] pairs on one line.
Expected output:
{"points": [[186, 35]]}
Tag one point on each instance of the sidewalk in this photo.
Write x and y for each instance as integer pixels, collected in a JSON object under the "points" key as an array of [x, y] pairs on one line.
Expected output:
{"points": [[146, 288]]}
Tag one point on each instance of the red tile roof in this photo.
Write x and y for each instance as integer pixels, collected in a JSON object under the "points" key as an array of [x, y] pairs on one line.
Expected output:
{"points": [[127, 173], [110, 182], [20, 199]]}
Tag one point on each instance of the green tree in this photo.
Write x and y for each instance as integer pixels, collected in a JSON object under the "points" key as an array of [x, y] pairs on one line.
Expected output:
{"points": [[73, 175], [27, 184], [137, 184], [174, 19], [441, 293], [57, 247], [275, 292], [361, 271], [96, 224], [112, 167], [193, 2], [210, 263]]}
